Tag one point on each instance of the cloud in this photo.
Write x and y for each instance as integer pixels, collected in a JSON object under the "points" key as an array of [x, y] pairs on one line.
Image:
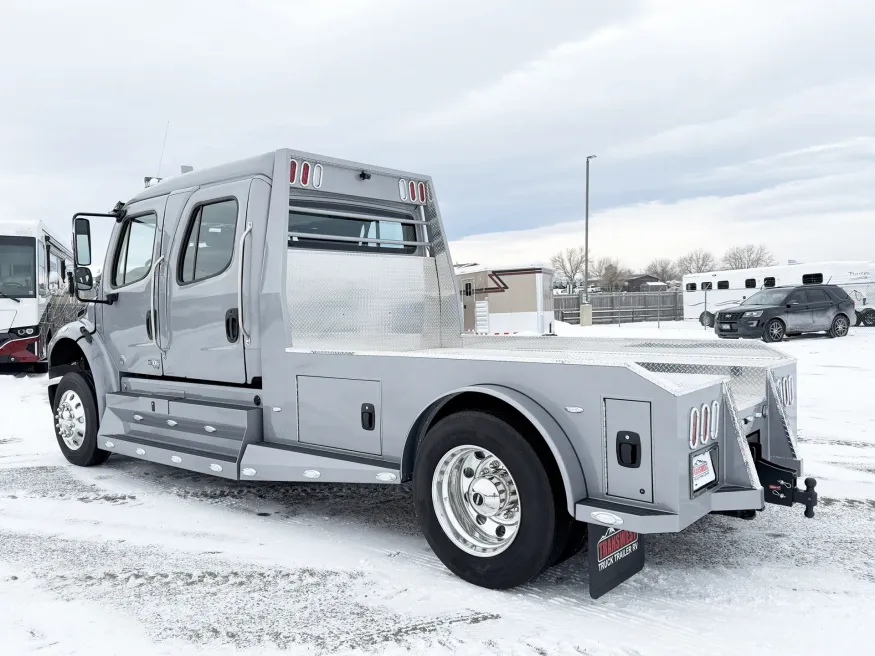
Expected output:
{"points": [[690, 106]]}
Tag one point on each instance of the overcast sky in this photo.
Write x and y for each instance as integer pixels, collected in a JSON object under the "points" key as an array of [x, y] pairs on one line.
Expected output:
{"points": [[715, 123]]}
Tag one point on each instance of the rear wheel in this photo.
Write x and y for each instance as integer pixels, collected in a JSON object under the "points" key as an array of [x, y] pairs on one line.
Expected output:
{"points": [[839, 326], [485, 502], [76, 421], [774, 331]]}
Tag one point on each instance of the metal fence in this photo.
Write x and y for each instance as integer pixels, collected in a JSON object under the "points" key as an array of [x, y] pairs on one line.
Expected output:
{"points": [[622, 307]]}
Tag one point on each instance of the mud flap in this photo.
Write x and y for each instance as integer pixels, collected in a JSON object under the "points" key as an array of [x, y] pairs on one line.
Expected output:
{"points": [[614, 556]]}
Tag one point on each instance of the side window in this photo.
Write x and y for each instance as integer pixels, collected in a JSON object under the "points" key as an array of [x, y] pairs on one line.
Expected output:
{"points": [[469, 288], [812, 279], [707, 285], [41, 269], [840, 293], [209, 242], [796, 297], [817, 296], [768, 282], [750, 283], [133, 256], [722, 284], [691, 286]]}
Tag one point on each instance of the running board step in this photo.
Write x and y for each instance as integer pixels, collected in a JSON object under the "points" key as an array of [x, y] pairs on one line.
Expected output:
{"points": [[181, 425], [271, 462], [204, 462]]}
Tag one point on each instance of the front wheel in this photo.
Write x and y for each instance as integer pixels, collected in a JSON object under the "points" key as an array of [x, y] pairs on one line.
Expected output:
{"points": [[839, 326], [774, 331], [485, 502], [706, 319], [76, 421]]}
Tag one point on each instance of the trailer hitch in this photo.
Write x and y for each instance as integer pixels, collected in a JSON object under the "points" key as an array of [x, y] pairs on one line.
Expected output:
{"points": [[779, 486]]}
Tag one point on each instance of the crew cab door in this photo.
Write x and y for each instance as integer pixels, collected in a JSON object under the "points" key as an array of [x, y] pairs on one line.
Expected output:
{"points": [[202, 333], [130, 271], [797, 312]]}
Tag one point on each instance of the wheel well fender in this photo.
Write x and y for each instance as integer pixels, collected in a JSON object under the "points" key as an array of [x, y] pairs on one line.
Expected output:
{"points": [[71, 349], [530, 418]]}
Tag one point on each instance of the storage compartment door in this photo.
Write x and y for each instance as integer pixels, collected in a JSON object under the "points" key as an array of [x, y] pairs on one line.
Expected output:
{"points": [[629, 449], [340, 413]]}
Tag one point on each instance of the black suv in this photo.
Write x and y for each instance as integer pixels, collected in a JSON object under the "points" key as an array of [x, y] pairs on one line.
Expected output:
{"points": [[779, 311]]}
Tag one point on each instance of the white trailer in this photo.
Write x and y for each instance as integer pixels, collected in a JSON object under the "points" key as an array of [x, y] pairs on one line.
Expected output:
{"points": [[706, 293]]}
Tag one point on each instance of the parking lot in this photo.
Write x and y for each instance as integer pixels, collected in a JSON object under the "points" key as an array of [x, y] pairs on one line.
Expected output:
{"points": [[134, 558]]}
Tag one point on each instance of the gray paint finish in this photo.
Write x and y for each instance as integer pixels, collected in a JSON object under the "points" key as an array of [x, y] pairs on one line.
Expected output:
{"points": [[329, 413], [621, 417]]}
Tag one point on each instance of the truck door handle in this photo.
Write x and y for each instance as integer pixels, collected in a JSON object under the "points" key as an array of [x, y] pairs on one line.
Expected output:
{"points": [[232, 325], [629, 449], [150, 320], [369, 416]]}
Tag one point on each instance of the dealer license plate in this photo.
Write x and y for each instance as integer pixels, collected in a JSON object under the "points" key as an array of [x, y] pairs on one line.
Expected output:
{"points": [[702, 470]]}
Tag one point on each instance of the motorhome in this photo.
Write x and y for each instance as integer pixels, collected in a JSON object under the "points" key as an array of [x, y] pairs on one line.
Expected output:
{"points": [[33, 301], [296, 318], [507, 300], [706, 293]]}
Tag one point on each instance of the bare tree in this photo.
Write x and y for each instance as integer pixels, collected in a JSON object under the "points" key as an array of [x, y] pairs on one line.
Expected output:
{"points": [[611, 272], [697, 261], [568, 263], [597, 268], [748, 256], [662, 269]]}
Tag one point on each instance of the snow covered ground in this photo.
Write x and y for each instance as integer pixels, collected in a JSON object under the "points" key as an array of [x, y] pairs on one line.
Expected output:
{"points": [[138, 559]]}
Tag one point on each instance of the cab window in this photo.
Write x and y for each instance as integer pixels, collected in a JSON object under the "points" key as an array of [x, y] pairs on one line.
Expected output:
{"points": [[209, 241], [133, 256]]}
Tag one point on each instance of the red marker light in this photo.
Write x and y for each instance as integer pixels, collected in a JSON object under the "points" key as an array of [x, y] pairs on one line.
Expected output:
{"points": [[305, 173], [421, 192], [293, 172], [412, 189]]}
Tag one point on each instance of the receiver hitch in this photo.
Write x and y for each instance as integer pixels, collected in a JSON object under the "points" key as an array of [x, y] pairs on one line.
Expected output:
{"points": [[779, 486]]}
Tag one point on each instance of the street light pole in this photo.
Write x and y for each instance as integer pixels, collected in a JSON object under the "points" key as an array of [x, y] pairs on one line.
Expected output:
{"points": [[586, 236]]}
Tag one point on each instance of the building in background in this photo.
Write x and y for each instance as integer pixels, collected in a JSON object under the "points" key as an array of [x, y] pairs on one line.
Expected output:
{"points": [[506, 301]]}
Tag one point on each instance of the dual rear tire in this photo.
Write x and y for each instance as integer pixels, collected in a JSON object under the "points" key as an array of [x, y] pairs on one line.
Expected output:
{"points": [[487, 505]]}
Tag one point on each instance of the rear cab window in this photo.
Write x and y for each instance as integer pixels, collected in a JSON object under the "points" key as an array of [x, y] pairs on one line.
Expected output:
{"points": [[356, 229]]}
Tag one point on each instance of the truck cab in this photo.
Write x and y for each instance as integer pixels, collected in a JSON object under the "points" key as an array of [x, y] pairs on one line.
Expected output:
{"points": [[295, 317]]}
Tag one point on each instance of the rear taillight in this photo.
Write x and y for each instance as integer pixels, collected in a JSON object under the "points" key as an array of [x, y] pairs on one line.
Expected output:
{"points": [[414, 192], [705, 432], [293, 172], [305, 174], [694, 428]]}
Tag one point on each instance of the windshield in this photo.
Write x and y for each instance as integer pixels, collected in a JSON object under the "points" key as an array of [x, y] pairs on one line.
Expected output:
{"points": [[767, 297], [18, 267]]}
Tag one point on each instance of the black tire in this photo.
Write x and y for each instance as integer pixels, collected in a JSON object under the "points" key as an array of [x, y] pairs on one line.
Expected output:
{"points": [[79, 384], [774, 331], [868, 317], [574, 542], [706, 319], [543, 533], [858, 319], [840, 326]]}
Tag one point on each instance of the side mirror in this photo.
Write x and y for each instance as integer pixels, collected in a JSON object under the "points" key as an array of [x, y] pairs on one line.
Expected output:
{"points": [[84, 281], [82, 234]]}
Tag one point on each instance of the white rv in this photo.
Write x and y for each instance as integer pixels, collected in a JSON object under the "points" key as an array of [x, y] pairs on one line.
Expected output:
{"points": [[706, 293], [33, 299]]}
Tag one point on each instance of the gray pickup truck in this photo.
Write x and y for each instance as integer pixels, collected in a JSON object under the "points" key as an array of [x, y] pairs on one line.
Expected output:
{"points": [[293, 317]]}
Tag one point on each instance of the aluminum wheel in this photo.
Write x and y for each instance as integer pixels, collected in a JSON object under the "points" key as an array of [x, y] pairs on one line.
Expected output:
{"points": [[776, 331], [476, 501], [840, 326], [70, 420]]}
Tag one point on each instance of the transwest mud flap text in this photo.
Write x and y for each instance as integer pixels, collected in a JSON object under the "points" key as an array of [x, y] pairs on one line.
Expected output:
{"points": [[614, 556]]}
